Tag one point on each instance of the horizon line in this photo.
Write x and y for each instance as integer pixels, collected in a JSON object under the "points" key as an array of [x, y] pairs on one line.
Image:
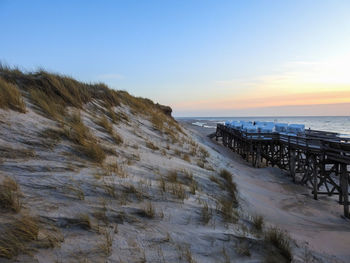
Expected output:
{"points": [[260, 116]]}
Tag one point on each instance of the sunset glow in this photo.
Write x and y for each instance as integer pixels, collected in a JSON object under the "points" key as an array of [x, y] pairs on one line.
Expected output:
{"points": [[302, 83], [216, 58]]}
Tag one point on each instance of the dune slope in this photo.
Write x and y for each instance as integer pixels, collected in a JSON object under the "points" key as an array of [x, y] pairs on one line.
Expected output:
{"points": [[96, 175]]}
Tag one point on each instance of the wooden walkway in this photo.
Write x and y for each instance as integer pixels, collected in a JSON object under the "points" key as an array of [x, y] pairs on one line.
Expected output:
{"points": [[317, 159]]}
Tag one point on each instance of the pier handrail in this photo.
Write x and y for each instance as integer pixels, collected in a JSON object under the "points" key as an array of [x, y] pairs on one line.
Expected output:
{"points": [[309, 140]]}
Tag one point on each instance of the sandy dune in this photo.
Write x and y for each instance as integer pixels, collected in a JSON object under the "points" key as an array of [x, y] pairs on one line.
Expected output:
{"points": [[119, 211], [159, 195]]}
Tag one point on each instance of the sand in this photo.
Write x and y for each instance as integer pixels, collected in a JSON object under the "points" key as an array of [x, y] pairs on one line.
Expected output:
{"points": [[118, 211], [318, 224]]}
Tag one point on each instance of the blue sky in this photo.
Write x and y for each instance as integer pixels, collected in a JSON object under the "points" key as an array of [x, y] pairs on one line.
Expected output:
{"points": [[200, 57]]}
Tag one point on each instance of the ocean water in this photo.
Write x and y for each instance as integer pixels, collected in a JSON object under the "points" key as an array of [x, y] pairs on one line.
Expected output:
{"points": [[339, 124]]}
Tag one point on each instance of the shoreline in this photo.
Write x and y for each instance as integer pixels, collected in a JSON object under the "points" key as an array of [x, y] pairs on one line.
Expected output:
{"points": [[316, 224]]}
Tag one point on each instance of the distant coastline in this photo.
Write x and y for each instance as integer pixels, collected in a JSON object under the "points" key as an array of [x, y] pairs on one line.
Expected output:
{"points": [[339, 124]]}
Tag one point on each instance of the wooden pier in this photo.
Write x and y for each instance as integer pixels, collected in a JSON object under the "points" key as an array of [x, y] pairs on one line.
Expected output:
{"points": [[317, 159]]}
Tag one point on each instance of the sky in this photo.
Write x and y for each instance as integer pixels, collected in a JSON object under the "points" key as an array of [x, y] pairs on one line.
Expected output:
{"points": [[202, 58]]}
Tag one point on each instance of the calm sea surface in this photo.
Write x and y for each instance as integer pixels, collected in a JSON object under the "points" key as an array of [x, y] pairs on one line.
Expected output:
{"points": [[340, 124]]}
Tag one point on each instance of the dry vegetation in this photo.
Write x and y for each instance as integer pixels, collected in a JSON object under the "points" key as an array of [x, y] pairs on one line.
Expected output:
{"points": [[83, 221], [103, 122], [151, 146], [53, 93], [62, 91], [230, 186], [16, 235], [278, 245], [10, 97], [79, 134], [227, 204], [9, 195], [42, 100], [206, 213], [258, 222], [19, 232], [148, 211]]}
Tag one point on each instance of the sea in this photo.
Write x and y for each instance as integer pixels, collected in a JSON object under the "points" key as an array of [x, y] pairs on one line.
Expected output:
{"points": [[339, 124]]}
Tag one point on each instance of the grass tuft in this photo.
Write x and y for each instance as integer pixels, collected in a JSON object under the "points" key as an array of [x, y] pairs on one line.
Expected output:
{"points": [[151, 146], [52, 110], [172, 176], [83, 221], [9, 195], [227, 203], [258, 222], [280, 241], [104, 123], [230, 186], [10, 97], [178, 190], [148, 211], [186, 158], [206, 213], [16, 235], [79, 134]]}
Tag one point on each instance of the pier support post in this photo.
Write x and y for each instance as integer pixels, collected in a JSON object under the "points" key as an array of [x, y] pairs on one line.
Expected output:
{"points": [[344, 181], [314, 175], [292, 164], [258, 156], [338, 173]]}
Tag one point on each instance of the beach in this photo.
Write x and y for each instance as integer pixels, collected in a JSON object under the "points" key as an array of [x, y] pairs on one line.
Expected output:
{"points": [[317, 224]]}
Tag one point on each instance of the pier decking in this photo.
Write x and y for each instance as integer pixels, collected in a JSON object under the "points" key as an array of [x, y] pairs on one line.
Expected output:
{"points": [[317, 159]]}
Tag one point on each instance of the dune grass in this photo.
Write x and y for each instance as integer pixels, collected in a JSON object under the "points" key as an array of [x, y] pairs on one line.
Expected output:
{"points": [[9, 195], [83, 221], [227, 204], [206, 213], [157, 119], [10, 97], [103, 122], [66, 91], [178, 190], [172, 176], [148, 211], [107, 240], [80, 135], [280, 241], [41, 99], [53, 93], [15, 236], [230, 186], [107, 125], [151, 146], [258, 222]]}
